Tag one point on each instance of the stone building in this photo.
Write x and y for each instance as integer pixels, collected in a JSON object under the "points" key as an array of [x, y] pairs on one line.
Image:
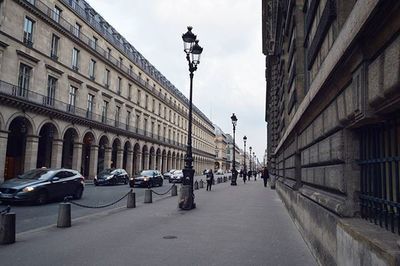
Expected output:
{"points": [[75, 93], [220, 150], [332, 108], [229, 153]]}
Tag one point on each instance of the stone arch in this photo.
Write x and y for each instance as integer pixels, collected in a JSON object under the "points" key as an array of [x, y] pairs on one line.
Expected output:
{"points": [[104, 153], [116, 153], [145, 157], [127, 151], [21, 146], [71, 149], [88, 142], [48, 145], [136, 158]]}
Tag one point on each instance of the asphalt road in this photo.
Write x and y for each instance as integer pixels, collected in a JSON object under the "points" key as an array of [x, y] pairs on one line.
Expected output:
{"points": [[30, 217]]}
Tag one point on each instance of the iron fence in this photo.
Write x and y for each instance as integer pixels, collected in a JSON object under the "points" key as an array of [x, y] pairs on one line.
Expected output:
{"points": [[380, 174]]}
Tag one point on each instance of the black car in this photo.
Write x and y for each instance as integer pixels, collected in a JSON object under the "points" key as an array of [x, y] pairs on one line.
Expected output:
{"points": [[111, 176], [42, 185], [177, 177], [147, 178], [167, 175]]}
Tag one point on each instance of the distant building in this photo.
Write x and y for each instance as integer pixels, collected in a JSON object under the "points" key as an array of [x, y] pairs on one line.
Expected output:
{"points": [[221, 161], [333, 110]]}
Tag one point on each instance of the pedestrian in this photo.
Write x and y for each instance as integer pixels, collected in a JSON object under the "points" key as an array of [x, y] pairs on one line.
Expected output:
{"points": [[209, 179], [244, 176], [265, 176], [249, 173]]}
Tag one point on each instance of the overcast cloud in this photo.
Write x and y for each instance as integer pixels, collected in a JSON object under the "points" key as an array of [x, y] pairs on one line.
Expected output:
{"points": [[230, 78]]}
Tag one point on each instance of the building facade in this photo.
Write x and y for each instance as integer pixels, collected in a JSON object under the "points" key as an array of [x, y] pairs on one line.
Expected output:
{"points": [[74, 93], [220, 150], [332, 108], [229, 153]]}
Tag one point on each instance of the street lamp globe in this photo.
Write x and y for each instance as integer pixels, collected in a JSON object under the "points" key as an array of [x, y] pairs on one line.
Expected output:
{"points": [[188, 40], [196, 53]]}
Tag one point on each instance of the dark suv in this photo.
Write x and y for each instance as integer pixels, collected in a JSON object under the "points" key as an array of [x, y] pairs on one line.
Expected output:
{"points": [[42, 185], [111, 176]]}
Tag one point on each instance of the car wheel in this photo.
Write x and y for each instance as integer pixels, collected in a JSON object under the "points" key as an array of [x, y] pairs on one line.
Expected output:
{"points": [[78, 192], [42, 198]]}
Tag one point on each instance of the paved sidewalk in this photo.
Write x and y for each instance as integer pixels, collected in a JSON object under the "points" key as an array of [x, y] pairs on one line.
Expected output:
{"points": [[241, 225]]}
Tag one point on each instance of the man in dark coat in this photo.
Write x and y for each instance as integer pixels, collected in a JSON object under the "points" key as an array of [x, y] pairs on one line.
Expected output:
{"points": [[209, 179], [265, 176]]}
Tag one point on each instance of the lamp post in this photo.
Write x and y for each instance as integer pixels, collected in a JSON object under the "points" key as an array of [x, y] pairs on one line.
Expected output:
{"points": [[234, 172], [250, 162], [244, 159], [193, 52], [255, 164]]}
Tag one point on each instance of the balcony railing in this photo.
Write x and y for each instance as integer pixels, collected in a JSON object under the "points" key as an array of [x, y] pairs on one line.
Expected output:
{"points": [[31, 97]]}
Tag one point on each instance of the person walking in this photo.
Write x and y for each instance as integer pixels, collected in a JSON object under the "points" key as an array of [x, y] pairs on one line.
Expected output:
{"points": [[265, 176], [209, 179], [244, 177]]}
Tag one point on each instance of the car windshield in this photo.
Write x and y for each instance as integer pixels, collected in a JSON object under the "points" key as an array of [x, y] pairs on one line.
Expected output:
{"points": [[37, 174], [147, 173], [106, 171]]}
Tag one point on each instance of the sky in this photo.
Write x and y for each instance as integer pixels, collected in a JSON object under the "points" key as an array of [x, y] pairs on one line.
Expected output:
{"points": [[230, 77]]}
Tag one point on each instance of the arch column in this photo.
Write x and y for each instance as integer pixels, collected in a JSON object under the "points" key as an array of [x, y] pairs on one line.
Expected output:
{"points": [[146, 160], [107, 157], [77, 156], [138, 162], [159, 162], [94, 152], [3, 152], [32, 143], [163, 160], [120, 158], [153, 161], [129, 162], [169, 160], [56, 153]]}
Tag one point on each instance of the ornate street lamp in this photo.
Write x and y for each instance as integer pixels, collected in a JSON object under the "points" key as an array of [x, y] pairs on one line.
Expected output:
{"points": [[244, 158], [255, 163], [234, 172], [193, 52], [250, 162]]}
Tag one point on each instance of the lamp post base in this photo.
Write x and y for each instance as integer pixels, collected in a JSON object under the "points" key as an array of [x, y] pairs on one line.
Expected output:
{"points": [[234, 178], [186, 200]]}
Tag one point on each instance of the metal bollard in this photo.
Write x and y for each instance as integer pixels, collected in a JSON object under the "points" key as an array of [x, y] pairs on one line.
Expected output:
{"points": [[174, 191], [64, 215], [131, 202], [148, 196], [196, 185], [7, 228], [225, 179], [201, 183]]}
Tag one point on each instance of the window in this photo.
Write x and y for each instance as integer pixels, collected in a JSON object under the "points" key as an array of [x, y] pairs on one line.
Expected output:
{"points": [[147, 82], [129, 91], [75, 59], [154, 106], [77, 30], [108, 53], [56, 14], [51, 91], [130, 69], [71, 99], [138, 97], [170, 116], [23, 80], [152, 129], [137, 122], [120, 62], [107, 78], [90, 102], [164, 133], [104, 112], [159, 108], [93, 43], [158, 131], [147, 102], [28, 31], [92, 67], [145, 127], [119, 85], [128, 119], [54, 46], [165, 112], [31, 2], [117, 114]]}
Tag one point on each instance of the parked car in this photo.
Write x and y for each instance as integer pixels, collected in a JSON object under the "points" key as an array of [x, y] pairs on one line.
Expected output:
{"points": [[42, 185], [219, 172], [176, 177], [111, 176], [147, 178], [167, 175]]}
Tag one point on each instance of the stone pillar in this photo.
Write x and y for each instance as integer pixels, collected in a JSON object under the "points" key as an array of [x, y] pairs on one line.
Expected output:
{"points": [[169, 159], [139, 162], [120, 158], [56, 153], [3, 152], [146, 161], [94, 156], [159, 162], [163, 163], [153, 161], [31, 151], [129, 162], [77, 157], [107, 157]]}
